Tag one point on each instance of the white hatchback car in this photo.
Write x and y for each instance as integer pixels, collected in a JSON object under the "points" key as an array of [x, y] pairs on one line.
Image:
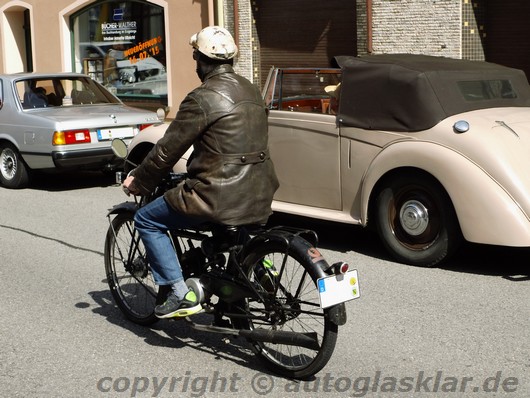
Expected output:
{"points": [[61, 121]]}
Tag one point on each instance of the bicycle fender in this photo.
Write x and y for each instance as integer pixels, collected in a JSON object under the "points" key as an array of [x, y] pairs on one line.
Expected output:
{"points": [[294, 243], [124, 207], [337, 314], [308, 254]]}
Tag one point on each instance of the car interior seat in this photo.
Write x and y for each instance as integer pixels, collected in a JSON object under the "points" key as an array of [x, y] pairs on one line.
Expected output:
{"points": [[35, 99], [82, 97]]}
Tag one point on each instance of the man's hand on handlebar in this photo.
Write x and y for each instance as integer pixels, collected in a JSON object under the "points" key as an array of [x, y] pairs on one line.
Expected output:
{"points": [[129, 187]]}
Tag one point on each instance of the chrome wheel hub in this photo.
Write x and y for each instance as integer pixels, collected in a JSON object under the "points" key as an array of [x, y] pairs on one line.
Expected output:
{"points": [[414, 217], [8, 166]]}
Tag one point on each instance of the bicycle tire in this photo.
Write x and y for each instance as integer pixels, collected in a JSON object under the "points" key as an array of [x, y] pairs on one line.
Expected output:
{"points": [[129, 277], [288, 360]]}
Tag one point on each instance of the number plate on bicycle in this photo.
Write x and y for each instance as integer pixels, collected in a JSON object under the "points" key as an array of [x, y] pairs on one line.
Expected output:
{"points": [[336, 289]]}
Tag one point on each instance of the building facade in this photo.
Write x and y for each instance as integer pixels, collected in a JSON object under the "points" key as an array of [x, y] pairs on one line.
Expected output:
{"points": [[305, 32], [139, 48]]}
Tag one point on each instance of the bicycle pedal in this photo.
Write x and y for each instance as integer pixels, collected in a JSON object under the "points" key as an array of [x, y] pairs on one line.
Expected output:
{"points": [[223, 323], [208, 309]]}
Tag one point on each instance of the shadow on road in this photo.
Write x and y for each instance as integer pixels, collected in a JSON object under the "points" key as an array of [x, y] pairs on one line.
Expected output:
{"points": [[509, 263], [175, 334]]}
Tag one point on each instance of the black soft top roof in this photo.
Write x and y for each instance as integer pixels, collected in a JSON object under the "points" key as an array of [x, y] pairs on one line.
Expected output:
{"points": [[406, 92]]}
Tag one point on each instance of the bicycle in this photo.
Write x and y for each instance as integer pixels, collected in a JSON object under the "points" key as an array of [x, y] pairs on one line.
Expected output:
{"points": [[267, 285]]}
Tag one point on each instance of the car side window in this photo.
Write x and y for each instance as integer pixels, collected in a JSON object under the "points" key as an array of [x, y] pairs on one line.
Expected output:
{"points": [[481, 90], [306, 91]]}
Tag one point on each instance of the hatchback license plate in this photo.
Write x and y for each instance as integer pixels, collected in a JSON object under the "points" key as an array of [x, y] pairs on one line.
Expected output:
{"points": [[336, 289], [120, 132]]}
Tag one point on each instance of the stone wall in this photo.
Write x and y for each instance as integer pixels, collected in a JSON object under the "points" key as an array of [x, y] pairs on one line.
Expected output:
{"points": [[244, 64], [431, 27]]}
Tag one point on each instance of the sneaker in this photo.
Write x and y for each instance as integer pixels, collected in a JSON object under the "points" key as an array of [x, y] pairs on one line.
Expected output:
{"points": [[173, 307], [266, 274]]}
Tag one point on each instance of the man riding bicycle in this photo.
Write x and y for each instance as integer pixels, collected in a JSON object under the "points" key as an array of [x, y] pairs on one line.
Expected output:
{"points": [[230, 176]]}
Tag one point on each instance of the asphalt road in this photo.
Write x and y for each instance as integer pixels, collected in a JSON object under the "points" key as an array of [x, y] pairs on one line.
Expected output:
{"points": [[456, 331]]}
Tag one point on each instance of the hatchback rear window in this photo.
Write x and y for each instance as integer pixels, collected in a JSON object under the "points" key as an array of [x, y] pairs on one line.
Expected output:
{"points": [[62, 91]]}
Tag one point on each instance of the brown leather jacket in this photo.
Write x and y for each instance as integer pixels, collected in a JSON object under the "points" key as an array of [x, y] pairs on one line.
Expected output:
{"points": [[231, 178]]}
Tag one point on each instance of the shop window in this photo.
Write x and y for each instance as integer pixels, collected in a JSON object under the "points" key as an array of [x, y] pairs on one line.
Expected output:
{"points": [[121, 44]]}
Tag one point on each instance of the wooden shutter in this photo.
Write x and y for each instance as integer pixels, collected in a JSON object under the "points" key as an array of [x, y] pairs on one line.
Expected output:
{"points": [[298, 33], [508, 33]]}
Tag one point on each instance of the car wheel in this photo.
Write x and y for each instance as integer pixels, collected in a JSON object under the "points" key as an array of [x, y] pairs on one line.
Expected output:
{"points": [[13, 171], [416, 220]]}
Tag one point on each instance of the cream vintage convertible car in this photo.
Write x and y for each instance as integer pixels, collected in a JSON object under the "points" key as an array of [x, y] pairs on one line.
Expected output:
{"points": [[428, 150]]}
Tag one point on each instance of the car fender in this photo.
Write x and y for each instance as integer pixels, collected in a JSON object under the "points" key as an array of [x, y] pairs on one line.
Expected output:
{"points": [[148, 138], [150, 135], [10, 139], [486, 211]]}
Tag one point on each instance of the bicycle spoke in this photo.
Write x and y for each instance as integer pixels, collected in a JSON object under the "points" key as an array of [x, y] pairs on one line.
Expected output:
{"points": [[292, 305], [128, 273]]}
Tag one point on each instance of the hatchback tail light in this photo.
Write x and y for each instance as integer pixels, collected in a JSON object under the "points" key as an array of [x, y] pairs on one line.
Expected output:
{"points": [[71, 137], [144, 126]]}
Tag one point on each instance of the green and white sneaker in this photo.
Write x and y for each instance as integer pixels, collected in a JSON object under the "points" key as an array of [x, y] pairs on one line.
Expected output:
{"points": [[173, 307], [266, 274]]}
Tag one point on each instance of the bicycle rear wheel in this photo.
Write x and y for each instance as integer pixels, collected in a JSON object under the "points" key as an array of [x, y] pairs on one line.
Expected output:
{"points": [[128, 273], [294, 306]]}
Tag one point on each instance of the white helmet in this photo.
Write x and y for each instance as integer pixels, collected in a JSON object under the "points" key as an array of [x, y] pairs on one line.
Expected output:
{"points": [[214, 42]]}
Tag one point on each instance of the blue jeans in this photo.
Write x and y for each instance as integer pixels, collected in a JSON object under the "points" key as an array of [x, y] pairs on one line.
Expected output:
{"points": [[153, 222]]}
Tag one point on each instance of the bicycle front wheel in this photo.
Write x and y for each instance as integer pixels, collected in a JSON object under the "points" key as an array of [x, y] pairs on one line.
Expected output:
{"points": [[128, 273], [292, 304]]}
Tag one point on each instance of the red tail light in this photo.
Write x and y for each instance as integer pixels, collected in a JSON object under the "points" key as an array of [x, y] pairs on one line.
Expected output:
{"points": [[71, 137], [339, 268], [144, 126], [344, 268]]}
